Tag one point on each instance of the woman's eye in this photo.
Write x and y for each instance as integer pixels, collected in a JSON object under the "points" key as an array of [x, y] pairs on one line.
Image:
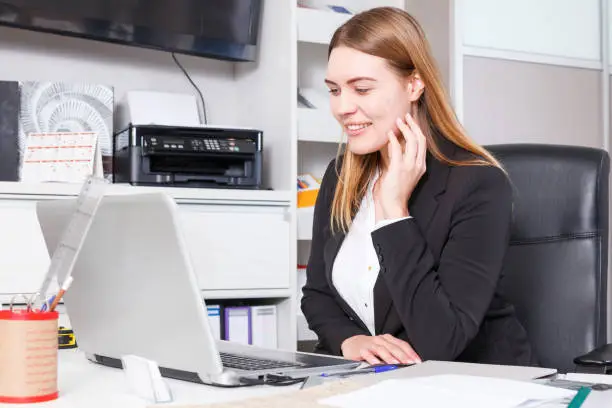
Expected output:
{"points": [[334, 91], [362, 90]]}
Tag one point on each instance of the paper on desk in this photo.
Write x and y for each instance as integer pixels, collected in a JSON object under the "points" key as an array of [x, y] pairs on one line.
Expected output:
{"points": [[588, 378], [448, 390]]}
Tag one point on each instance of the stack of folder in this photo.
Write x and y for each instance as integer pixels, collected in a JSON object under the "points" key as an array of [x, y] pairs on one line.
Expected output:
{"points": [[254, 325]]}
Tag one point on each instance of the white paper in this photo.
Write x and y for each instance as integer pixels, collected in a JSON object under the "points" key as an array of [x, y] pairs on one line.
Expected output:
{"points": [[587, 378], [59, 156], [162, 108], [448, 391]]}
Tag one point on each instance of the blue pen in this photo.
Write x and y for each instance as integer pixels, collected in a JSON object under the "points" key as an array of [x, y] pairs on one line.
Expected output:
{"points": [[368, 370], [44, 306]]}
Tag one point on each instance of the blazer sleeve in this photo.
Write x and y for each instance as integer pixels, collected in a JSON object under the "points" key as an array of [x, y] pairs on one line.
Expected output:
{"points": [[324, 315], [442, 304]]}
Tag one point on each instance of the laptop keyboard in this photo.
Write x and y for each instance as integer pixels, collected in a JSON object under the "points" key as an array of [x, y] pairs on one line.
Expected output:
{"points": [[255, 364]]}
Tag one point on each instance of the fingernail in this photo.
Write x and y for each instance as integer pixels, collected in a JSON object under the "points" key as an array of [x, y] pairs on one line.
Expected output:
{"points": [[399, 121]]}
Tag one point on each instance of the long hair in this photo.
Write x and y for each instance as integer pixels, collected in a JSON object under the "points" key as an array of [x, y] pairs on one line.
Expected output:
{"points": [[394, 35]]}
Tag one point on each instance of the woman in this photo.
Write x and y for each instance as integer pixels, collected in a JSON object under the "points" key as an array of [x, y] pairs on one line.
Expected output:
{"points": [[412, 221]]}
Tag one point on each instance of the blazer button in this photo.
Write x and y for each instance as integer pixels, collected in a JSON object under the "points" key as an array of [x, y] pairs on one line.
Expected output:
{"points": [[380, 257]]}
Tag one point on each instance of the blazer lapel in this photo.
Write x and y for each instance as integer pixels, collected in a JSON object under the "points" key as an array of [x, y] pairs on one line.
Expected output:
{"points": [[422, 207]]}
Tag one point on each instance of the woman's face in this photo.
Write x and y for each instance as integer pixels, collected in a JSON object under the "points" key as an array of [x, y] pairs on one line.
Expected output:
{"points": [[367, 97]]}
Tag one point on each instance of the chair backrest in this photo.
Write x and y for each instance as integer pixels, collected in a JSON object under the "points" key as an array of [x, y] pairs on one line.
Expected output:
{"points": [[556, 268]]}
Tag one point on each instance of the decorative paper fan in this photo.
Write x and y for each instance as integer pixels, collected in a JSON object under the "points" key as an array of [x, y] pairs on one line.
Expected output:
{"points": [[67, 107]]}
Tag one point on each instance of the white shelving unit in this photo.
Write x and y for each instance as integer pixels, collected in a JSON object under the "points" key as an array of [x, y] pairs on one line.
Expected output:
{"points": [[317, 26], [317, 125], [304, 223], [318, 133]]}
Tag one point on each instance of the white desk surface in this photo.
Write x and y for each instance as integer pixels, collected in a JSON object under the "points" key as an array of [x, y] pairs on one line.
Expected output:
{"points": [[86, 384], [82, 383]]}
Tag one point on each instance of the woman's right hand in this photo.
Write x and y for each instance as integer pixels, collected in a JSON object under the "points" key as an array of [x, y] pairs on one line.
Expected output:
{"points": [[379, 349]]}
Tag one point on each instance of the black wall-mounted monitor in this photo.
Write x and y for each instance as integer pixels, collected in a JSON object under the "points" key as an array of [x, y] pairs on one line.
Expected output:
{"points": [[219, 29]]}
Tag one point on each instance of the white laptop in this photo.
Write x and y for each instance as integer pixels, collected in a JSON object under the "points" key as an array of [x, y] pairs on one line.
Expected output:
{"points": [[135, 293]]}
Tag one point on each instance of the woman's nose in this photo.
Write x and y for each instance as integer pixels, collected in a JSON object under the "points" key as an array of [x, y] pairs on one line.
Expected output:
{"points": [[345, 104]]}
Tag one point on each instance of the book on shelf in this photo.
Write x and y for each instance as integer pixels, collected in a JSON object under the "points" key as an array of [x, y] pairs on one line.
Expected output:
{"points": [[247, 324]]}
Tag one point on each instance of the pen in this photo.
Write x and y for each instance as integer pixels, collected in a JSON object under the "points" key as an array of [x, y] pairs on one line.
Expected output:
{"points": [[579, 398], [367, 370], [44, 306], [61, 292]]}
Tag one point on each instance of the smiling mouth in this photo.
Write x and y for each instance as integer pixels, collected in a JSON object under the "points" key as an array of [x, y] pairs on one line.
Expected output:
{"points": [[357, 127]]}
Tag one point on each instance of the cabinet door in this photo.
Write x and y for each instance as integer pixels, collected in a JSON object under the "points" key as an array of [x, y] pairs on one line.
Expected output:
{"points": [[238, 247], [567, 29]]}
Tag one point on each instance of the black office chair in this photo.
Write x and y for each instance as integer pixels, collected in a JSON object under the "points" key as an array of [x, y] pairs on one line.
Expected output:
{"points": [[556, 271]]}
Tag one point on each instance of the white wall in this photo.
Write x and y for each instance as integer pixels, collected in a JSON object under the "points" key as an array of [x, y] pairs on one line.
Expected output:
{"points": [[26, 55]]}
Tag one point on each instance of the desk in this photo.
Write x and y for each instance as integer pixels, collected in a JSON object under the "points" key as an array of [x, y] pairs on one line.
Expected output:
{"points": [[86, 384]]}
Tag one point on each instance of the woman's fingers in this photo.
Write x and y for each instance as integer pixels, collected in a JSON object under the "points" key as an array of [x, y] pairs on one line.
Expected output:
{"points": [[369, 356], [406, 347], [400, 356], [395, 149], [383, 353], [419, 140], [410, 147]]}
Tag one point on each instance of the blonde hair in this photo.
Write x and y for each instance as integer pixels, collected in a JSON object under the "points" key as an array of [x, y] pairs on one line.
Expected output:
{"points": [[394, 35]]}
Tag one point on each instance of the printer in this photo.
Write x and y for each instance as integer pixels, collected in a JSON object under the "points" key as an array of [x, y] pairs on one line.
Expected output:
{"points": [[188, 156]]}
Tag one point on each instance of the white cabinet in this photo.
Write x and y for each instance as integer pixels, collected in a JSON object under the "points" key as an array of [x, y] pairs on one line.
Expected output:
{"points": [[23, 254], [239, 247], [239, 241], [561, 28]]}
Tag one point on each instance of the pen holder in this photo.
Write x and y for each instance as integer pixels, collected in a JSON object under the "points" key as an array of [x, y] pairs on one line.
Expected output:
{"points": [[28, 356]]}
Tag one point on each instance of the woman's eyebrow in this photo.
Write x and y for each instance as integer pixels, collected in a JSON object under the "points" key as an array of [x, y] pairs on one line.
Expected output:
{"points": [[350, 81]]}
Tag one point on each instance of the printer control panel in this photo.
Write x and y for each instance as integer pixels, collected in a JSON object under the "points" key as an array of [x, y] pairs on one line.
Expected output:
{"points": [[199, 144]]}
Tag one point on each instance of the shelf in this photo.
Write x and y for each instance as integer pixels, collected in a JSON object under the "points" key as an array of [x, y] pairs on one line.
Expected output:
{"points": [[304, 223], [37, 191], [5, 298], [318, 26], [246, 294], [315, 125]]}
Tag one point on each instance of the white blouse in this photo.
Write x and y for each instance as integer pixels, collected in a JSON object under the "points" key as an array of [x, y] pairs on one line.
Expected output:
{"points": [[356, 266]]}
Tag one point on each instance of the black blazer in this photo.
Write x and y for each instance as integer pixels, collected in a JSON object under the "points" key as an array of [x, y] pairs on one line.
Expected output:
{"points": [[439, 271]]}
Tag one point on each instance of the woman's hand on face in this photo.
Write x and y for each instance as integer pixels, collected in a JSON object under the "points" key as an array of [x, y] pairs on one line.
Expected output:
{"points": [[379, 349], [405, 169]]}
